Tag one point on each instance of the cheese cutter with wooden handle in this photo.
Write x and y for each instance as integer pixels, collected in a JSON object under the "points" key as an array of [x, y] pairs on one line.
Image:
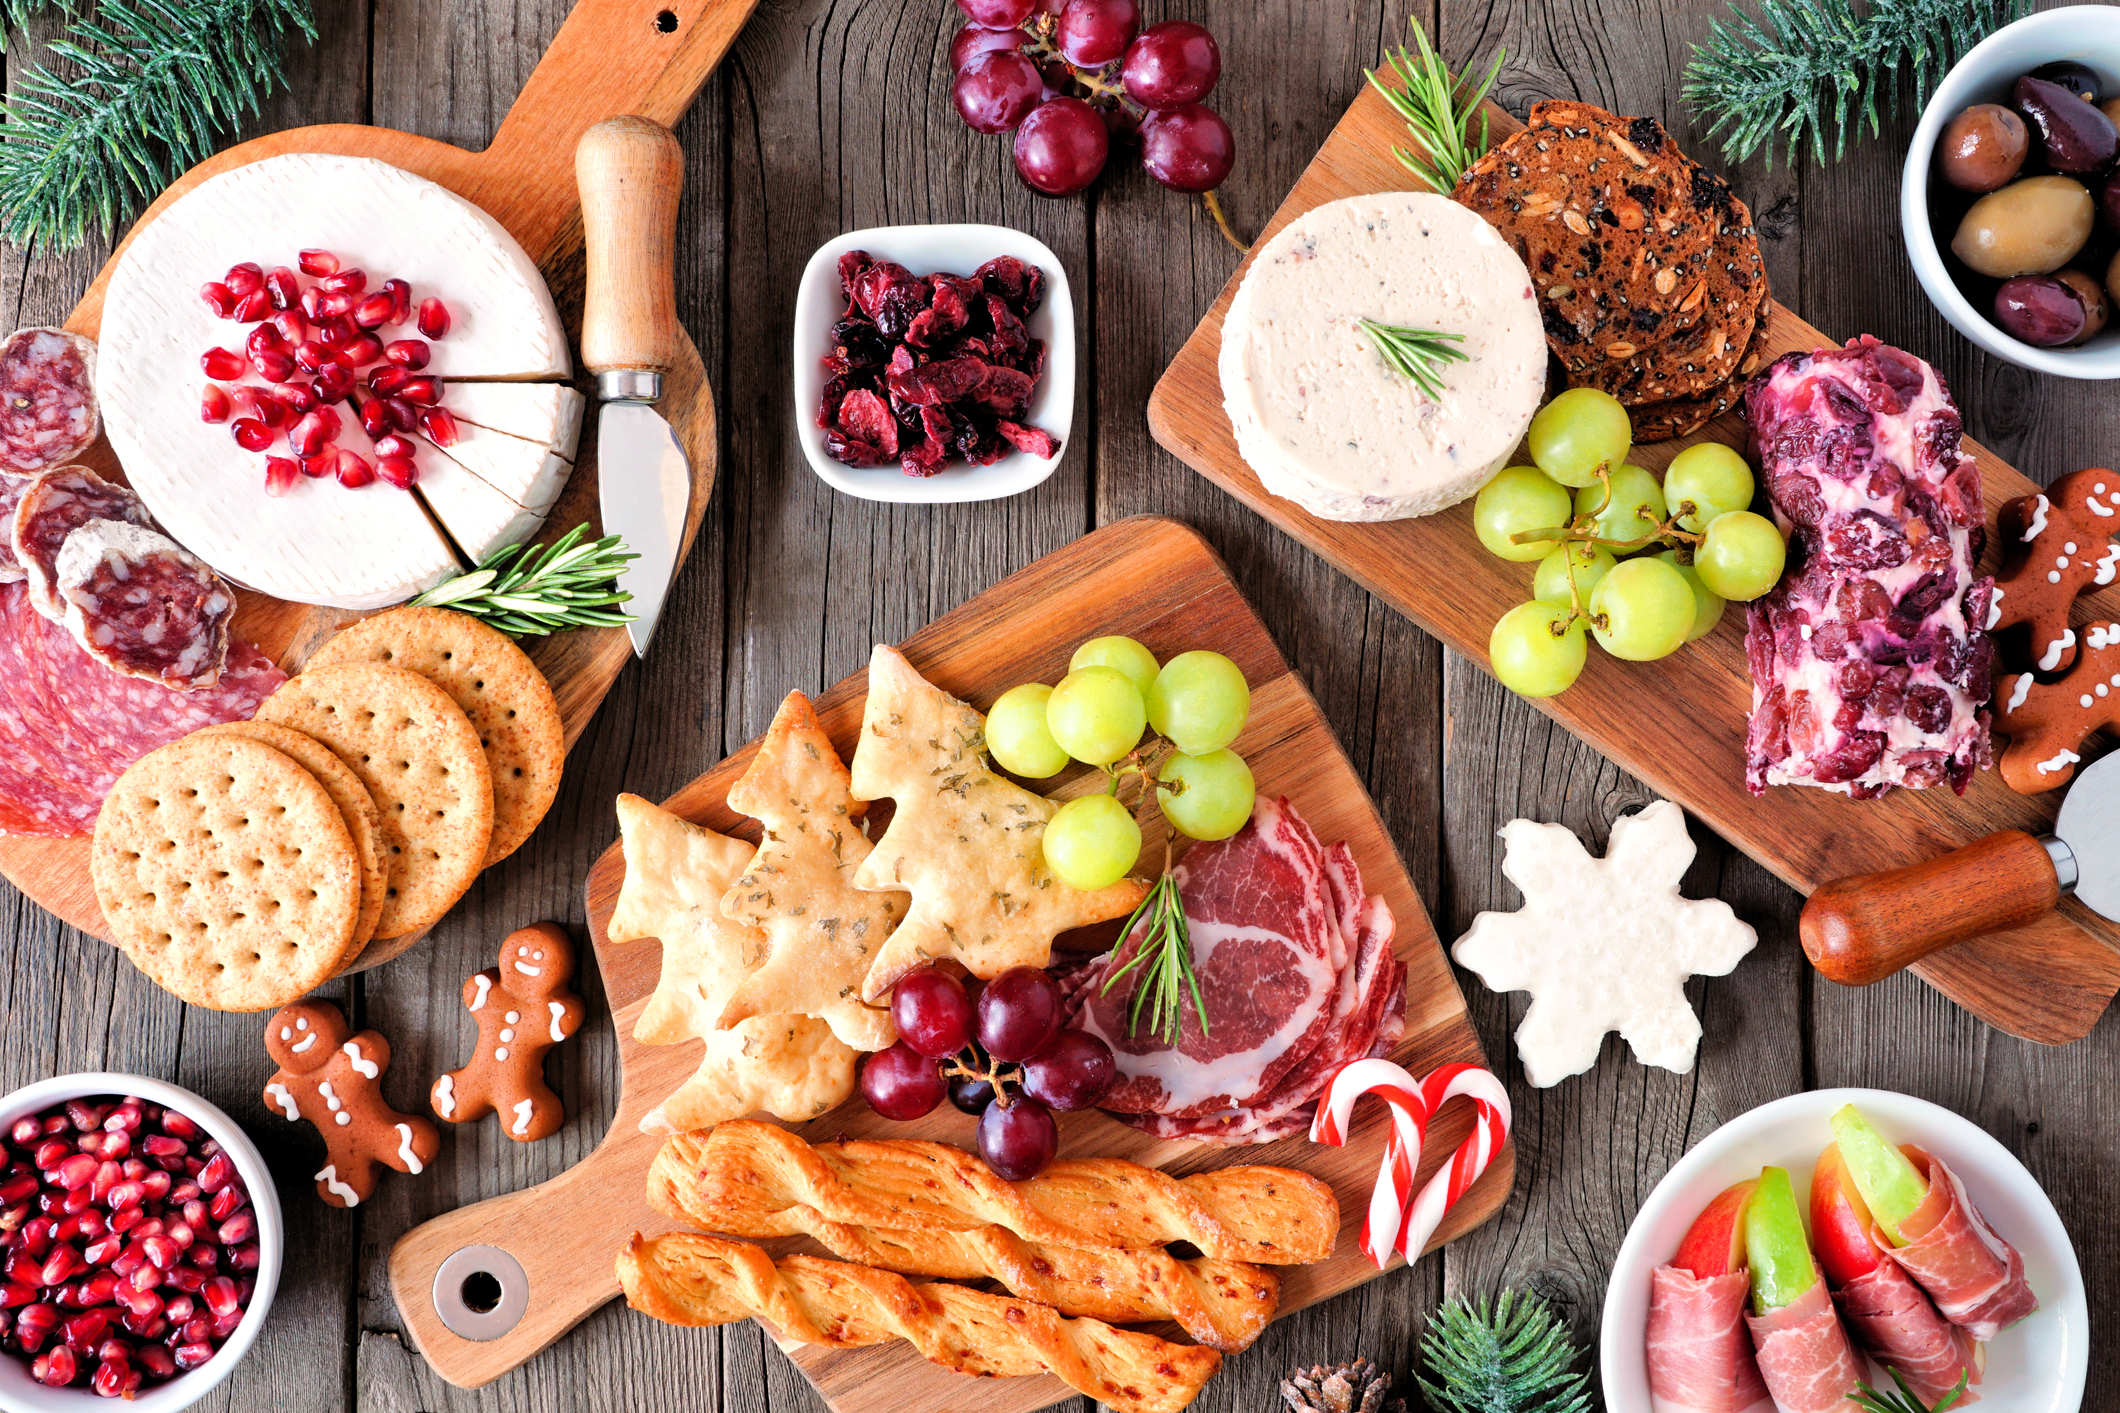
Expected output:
{"points": [[1864, 928], [630, 171]]}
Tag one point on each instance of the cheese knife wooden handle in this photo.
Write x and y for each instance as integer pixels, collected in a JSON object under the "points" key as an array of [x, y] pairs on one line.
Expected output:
{"points": [[1864, 928], [630, 171]]}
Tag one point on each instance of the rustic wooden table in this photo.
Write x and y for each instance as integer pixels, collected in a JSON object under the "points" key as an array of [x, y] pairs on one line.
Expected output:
{"points": [[831, 116]]}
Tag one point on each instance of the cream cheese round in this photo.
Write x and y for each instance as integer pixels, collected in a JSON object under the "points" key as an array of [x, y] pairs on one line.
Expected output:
{"points": [[1320, 416]]}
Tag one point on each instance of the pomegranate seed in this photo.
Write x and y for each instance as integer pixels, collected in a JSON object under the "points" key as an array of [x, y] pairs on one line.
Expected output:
{"points": [[24, 1266], [220, 1295], [298, 396], [225, 1325], [184, 1233], [252, 307], [37, 1236], [387, 377], [317, 263], [145, 1326], [135, 1169], [198, 1329], [352, 281], [244, 1257], [35, 1324], [191, 1356], [335, 331], [79, 1226], [229, 1200], [439, 425], [131, 1259], [274, 365], [144, 1303], [398, 471], [15, 1189], [157, 1185], [90, 1143], [161, 1251], [251, 434], [434, 319], [108, 1176], [330, 305], [293, 328], [99, 1288], [395, 445], [359, 351], [334, 382], [76, 1201], [304, 438], [11, 1220], [354, 472], [421, 392], [85, 1331], [282, 287], [59, 1368], [263, 338], [76, 1172], [374, 311], [412, 354], [401, 301], [375, 418], [312, 303], [15, 1293], [322, 464], [223, 363], [273, 412], [403, 415], [205, 1255], [155, 1361], [63, 1262], [115, 1348], [104, 1249], [51, 1153], [311, 355], [117, 1143], [280, 475], [180, 1308], [244, 278], [54, 1124], [116, 1378], [26, 1132], [219, 298]]}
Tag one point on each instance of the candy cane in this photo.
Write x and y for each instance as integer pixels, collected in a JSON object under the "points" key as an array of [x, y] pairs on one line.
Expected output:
{"points": [[1391, 1223]]}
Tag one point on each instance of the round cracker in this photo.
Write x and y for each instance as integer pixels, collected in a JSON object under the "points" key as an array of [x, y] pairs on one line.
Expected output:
{"points": [[356, 806], [496, 685], [418, 755], [227, 873]]}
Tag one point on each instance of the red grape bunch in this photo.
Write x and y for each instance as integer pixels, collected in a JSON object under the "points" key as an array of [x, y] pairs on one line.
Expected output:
{"points": [[999, 1055], [1073, 77]]}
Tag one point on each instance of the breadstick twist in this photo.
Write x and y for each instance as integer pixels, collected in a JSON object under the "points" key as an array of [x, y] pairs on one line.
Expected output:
{"points": [[685, 1279], [1276, 1216], [1222, 1304]]}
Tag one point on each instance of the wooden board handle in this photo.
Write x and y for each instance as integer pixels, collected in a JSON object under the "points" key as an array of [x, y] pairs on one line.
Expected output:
{"points": [[1862, 929], [565, 1236], [630, 171]]}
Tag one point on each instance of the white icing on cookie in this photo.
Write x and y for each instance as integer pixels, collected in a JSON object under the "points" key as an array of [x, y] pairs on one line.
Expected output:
{"points": [[361, 1063], [445, 1096], [522, 1118], [338, 1109], [2053, 576], [527, 970], [2038, 525], [305, 1043], [2090, 501], [2085, 700], [501, 1053], [484, 983], [2108, 565], [279, 1094], [405, 1153], [2019, 692], [512, 1017], [330, 1178], [558, 1012], [1995, 608], [2102, 635], [507, 1034], [2058, 762], [2051, 658]]}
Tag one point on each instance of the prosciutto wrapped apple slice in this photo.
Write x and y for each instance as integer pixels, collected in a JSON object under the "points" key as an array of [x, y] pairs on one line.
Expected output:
{"points": [[1700, 1357], [1803, 1352]]}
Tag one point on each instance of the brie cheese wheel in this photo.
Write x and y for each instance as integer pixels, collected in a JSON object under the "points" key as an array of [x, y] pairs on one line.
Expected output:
{"points": [[547, 413], [320, 542], [479, 518], [528, 473], [1319, 414]]}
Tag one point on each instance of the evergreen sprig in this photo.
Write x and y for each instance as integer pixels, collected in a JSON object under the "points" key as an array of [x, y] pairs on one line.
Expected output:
{"points": [[154, 85], [1513, 1356], [527, 592], [1807, 70]]}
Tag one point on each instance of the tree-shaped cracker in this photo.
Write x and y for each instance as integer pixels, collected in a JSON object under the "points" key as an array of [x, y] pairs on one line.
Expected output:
{"points": [[966, 843], [2047, 722], [791, 1066], [822, 933]]}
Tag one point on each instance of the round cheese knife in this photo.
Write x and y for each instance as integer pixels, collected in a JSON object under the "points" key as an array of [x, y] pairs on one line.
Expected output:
{"points": [[1863, 928], [629, 171]]}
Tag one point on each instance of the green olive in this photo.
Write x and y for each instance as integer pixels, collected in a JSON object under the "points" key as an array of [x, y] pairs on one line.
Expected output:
{"points": [[2030, 227]]}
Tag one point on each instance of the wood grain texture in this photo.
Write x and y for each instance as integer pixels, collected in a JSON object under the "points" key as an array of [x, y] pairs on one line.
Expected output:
{"points": [[1434, 569]]}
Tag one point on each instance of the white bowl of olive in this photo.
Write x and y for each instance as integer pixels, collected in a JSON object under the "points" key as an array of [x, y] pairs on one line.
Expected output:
{"points": [[2010, 197]]}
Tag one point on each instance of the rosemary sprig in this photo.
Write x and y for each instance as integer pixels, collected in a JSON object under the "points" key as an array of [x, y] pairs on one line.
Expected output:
{"points": [[1438, 109], [526, 592], [1166, 946], [1905, 1401], [1807, 69], [1418, 354]]}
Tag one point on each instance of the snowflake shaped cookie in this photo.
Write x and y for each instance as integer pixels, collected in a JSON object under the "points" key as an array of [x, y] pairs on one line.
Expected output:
{"points": [[1603, 944]]}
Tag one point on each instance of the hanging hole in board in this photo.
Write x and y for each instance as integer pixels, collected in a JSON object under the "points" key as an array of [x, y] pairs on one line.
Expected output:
{"points": [[666, 22], [481, 1291]]}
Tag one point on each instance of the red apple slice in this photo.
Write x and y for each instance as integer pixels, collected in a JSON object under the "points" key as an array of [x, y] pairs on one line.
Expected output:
{"points": [[1843, 1232], [1715, 1244]]}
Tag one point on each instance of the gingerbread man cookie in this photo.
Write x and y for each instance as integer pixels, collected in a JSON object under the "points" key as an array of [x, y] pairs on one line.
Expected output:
{"points": [[2047, 721], [523, 1009], [2057, 546], [334, 1080]]}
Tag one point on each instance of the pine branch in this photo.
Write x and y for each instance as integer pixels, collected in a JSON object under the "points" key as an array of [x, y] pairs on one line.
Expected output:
{"points": [[1807, 70], [158, 83], [16, 13], [1514, 1356]]}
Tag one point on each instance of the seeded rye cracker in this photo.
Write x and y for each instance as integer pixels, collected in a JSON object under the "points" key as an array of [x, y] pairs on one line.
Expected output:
{"points": [[496, 685], [226, 872], [420, 758], [1647, 266], [363, 823], [1682, 417]]}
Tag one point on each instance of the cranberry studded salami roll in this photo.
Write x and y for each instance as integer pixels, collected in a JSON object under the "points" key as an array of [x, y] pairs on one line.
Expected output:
{"points": [[1870, 664]]}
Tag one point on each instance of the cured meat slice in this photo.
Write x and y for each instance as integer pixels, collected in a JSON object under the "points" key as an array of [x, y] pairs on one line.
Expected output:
{"points": [[1871, 666], [143, 606], [1974, 1276], [53, 506], [1804, 1355], [69, 726], [1887, 1314], [1262, 935], [12, 485], [47, 399], [1700, 1358]]}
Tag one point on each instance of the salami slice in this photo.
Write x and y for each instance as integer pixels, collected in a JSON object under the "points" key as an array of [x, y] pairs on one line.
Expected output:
{"points": [[69, 726], [12, 485], [47, 399], [52, 507], [143, 605]]}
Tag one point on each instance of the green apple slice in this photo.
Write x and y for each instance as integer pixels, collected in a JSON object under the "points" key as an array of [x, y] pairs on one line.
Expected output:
{"points": [[1891, 1185], [1775, 1247]]}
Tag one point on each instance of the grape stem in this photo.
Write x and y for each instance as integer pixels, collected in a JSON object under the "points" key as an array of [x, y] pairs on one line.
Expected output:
{"points": [[1582, 531], [997, 1074], [1229, 233]]}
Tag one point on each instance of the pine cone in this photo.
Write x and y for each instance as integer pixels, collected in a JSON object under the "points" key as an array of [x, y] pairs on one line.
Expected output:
{"points": [[1359, 1387]]}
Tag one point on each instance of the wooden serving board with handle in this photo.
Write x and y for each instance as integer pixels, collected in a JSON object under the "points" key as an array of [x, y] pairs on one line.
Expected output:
{"points": [[1679, 724], [646, 57], [1157, 581]]}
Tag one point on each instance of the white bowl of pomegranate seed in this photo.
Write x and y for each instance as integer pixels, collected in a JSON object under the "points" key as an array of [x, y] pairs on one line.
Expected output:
{"points": [[140, 1244], [947, 376]]}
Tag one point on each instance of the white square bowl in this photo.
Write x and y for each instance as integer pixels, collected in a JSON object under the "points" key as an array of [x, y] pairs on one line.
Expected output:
{"points": [[929, 250]]}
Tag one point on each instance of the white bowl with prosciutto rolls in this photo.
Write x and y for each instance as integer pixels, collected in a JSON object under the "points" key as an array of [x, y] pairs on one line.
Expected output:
{"points": [[1840, 1235]]}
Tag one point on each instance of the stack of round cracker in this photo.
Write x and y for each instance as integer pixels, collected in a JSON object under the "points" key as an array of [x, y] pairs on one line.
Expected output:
{"points": [[247, 863]]}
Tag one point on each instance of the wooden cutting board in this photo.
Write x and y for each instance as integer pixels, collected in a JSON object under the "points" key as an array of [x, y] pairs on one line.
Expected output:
{"points": [[1155, 580], [611, 56], [1679, 724]]}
